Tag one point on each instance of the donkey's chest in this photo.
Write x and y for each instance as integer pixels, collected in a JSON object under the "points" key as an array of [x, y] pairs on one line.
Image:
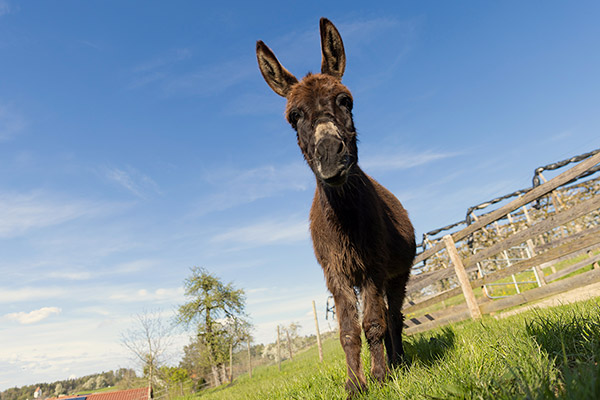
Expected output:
{"points": [[354, 254]]}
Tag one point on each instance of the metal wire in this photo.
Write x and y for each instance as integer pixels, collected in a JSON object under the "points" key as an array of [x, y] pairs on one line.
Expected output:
{"points": [[559, 164]]}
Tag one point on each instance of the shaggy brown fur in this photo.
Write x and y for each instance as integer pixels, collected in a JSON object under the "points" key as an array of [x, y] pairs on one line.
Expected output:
{"points": [[361, 234]]}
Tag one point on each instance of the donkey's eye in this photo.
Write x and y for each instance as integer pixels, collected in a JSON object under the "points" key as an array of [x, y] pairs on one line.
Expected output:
{"points": [[294, 116], [344, 101]]}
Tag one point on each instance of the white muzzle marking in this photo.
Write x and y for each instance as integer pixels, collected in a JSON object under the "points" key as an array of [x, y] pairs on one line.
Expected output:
{"points": [[326, 128]]}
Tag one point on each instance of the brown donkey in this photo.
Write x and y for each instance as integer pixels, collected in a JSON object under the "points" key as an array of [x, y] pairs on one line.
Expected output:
{"points": [[361, 234]]}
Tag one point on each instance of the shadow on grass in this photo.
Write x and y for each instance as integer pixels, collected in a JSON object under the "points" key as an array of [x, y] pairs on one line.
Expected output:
{"points": [[429, 349], [572, 339], [569, 337]]}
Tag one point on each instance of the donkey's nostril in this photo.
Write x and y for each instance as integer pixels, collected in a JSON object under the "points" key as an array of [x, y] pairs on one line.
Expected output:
{"points": [[340, 147]]}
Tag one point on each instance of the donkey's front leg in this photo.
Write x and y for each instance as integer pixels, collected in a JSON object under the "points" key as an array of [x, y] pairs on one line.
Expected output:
{"points": [[375, 327], [347, 313]]}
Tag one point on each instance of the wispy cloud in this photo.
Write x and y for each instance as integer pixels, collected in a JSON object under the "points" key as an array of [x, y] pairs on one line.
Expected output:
{"points": [[21, 212], [4, 7], [71, 275], [389, 161], [134, 266], [363, 31], [173, 57], [80, 274], [134, 181], [266, 233], [144, 295], [211, 79], [566, 134], [256, 104], [234, 187], [197, 78], [300, 50], [158, 68], [9, 295], [11, 121], [87, 43], [33, 316], [92, 293]]}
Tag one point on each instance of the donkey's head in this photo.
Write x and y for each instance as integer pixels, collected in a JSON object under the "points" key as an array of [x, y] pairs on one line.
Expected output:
{"points": [[319, 107]]}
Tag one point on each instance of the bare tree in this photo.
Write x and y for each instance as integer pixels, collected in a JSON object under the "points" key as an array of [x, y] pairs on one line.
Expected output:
{"points": [[149, 341]]}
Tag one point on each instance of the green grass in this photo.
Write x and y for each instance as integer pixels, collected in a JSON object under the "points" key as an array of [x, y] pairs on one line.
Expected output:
{"points": [[542, 354]]}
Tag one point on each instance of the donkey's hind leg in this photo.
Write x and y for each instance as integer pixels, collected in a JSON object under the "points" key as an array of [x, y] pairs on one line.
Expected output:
{"points": [[395, 291]]}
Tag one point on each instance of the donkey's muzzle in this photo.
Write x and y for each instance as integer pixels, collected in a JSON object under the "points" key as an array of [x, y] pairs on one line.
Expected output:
{"points": [[332, 160]]}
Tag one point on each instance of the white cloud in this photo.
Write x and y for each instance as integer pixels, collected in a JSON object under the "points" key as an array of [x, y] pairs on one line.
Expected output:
{"points": [[11, 296], [134, 181], [78, 274], [211, 79], [391, 161], [173, 57], [134, 266], [560, 136], [71, 275], [266, 233], [156, 70], [91, 293], [364, 31], [145, 295], [33, 316], [20, 212], [234, 187], [202, 81]]}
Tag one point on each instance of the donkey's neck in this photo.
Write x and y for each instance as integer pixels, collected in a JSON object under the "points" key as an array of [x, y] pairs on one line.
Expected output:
{"points": [[352, 196]]}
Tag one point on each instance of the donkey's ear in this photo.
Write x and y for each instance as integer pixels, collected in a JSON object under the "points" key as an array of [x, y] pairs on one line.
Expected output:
{"points": [[277, 77], [334, 58]]}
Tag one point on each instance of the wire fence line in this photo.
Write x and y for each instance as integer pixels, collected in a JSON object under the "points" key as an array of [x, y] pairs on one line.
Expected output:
{"points": [[536, 181]]}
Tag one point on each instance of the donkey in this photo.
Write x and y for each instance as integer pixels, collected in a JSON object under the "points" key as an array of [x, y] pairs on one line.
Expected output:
{"points": [[361, 234]]}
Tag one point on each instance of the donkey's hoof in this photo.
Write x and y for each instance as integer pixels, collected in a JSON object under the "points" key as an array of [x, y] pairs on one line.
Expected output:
{"points": [[380, 374], [354, 388]]}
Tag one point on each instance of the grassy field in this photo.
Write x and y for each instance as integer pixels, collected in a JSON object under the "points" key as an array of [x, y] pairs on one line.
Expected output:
{"points": [[552, 353]]}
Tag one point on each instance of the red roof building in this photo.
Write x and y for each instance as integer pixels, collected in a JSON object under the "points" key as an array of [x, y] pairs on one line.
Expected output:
{"points": [[131, 394], [144, 393]]}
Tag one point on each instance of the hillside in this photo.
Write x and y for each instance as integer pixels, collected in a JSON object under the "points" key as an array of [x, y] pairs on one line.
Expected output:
{"points": [[552, 353]]}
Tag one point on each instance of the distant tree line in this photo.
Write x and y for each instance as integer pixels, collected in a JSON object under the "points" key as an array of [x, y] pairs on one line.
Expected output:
{"points": [[124, 378], [219, 349]]}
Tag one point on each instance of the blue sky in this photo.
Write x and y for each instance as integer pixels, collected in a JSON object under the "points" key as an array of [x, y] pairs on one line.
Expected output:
{"points": [[138, 139]]}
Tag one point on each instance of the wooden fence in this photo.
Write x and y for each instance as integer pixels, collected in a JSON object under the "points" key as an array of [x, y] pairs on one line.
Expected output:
{"points": [[466, 269]]}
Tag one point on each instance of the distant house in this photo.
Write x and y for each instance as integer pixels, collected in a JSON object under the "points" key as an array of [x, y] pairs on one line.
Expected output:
{"points": [[38, 393], [129, 394]]}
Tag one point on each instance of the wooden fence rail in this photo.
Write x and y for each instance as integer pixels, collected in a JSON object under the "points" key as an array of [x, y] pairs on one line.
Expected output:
{"points": [[568, 246]]}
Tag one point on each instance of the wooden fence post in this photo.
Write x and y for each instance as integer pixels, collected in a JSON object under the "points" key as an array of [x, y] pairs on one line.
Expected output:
{"points": [[289, 343], [278, 350], [462, 277], [249, 360], [538, 270], [230, 362], [318, 334], [595, 265]]}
